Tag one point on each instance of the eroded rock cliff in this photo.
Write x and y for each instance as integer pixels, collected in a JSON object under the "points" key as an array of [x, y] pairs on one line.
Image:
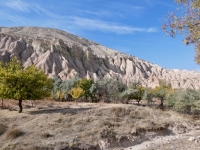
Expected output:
{"points": [[62, 54]]}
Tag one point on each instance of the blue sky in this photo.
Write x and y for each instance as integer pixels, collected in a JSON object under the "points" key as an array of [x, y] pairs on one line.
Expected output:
{"points": [[129, 26]]}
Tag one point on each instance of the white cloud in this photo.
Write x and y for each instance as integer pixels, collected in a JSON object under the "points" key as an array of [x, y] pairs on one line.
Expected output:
{"points": [[152, 30], [18, 5], [97, 13], [109, 27], [38, 9], [24, 7], [14, 18]]}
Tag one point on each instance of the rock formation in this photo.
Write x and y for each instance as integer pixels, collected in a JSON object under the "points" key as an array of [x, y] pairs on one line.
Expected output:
{"points": [[62, 54]]}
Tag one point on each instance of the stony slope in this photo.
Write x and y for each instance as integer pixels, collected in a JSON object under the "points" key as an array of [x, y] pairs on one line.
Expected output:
{"points": [[62, 54]]}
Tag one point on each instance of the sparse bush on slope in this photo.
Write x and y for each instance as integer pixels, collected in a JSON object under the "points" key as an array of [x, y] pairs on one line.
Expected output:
{"points": [[184, 101]]}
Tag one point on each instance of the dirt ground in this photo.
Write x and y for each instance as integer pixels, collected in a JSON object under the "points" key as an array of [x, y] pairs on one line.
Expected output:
{"points": [[62, 125]]}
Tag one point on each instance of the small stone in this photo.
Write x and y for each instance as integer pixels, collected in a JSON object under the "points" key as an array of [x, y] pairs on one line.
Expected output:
{"points": [[191, 138]]}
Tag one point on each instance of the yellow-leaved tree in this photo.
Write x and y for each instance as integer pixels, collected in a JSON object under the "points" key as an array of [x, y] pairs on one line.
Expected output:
{"points": [[76, 92], [23, 84]]}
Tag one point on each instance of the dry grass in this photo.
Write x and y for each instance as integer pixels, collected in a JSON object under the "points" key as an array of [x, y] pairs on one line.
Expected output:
{"points": [[58, 123], [2, 129], [47, 135], [14, 133]]}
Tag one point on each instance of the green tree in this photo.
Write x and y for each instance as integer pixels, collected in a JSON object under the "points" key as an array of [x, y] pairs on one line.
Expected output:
{"points": [[23, 84], [186, 21], [127, 95], [61, 88], [162, 91], [187, 101], [86, 84], [138, 94], [109, 89], [148, 95]]}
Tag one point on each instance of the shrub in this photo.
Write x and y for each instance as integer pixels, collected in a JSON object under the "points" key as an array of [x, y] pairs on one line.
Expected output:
{"points": [[171, 100], [187, 101]]}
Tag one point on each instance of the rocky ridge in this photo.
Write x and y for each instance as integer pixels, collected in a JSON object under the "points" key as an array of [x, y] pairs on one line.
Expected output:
{"points": [[62, 54]]}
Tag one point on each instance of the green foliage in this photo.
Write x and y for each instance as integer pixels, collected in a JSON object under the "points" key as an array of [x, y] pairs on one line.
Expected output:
{"points": [[171, 99], [23, 84], [109, 89], [186, 21], [187, 101], [148, 95], [162, 91], [86, 84], [138, 94], [61, 88], [127, 95], [184, 101]]}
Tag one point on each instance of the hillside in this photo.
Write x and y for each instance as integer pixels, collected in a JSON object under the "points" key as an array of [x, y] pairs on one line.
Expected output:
{"points": [[51, 125], [62, 54]]}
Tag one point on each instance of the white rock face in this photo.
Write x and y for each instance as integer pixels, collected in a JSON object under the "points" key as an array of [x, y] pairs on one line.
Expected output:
{"points": [[61, 54]]}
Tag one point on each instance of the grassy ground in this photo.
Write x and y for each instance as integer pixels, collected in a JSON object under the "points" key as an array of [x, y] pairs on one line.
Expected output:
{"points": [[51, 124]]}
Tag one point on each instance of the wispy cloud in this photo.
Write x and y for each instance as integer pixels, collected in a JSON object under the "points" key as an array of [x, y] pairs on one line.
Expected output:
{"points": [[14, 18], [24, 7], [18, 5], [109, 27], [96, 13], [38, 9]]}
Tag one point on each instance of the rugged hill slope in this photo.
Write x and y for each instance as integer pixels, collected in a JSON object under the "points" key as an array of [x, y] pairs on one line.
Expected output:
{"points": [[62, 54]]}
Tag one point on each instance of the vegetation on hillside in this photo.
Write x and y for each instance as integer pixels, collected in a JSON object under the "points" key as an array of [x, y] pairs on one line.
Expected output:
{"points": [[30, 84], [115, 91]]}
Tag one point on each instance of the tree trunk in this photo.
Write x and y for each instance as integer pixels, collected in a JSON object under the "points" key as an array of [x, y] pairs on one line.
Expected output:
{"points": [[161, 104], [20, 106], [2, 103]]}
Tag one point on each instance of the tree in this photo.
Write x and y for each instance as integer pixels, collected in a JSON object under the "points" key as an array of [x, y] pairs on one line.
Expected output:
{"points": [[161, 91], [127, 95], [138, 95], [61, 88], [148, 95], [109, 89], [23, 84], [186, 21], [187, 101], [76, 92], [86, 84]]}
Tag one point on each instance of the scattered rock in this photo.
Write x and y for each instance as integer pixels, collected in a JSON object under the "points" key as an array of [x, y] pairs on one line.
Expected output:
{"points": [[191, 138]]}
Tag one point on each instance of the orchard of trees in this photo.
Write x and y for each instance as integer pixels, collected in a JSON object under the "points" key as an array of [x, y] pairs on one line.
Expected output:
{"points": [[30, 83], [115, 91]]}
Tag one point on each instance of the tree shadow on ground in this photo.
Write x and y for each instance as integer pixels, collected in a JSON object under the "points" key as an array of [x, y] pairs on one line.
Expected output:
{"points": [[63, 111]]}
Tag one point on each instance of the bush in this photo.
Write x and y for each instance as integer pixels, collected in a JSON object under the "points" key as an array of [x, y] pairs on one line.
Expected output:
{"points": [[171, 100], [187, 101]]}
